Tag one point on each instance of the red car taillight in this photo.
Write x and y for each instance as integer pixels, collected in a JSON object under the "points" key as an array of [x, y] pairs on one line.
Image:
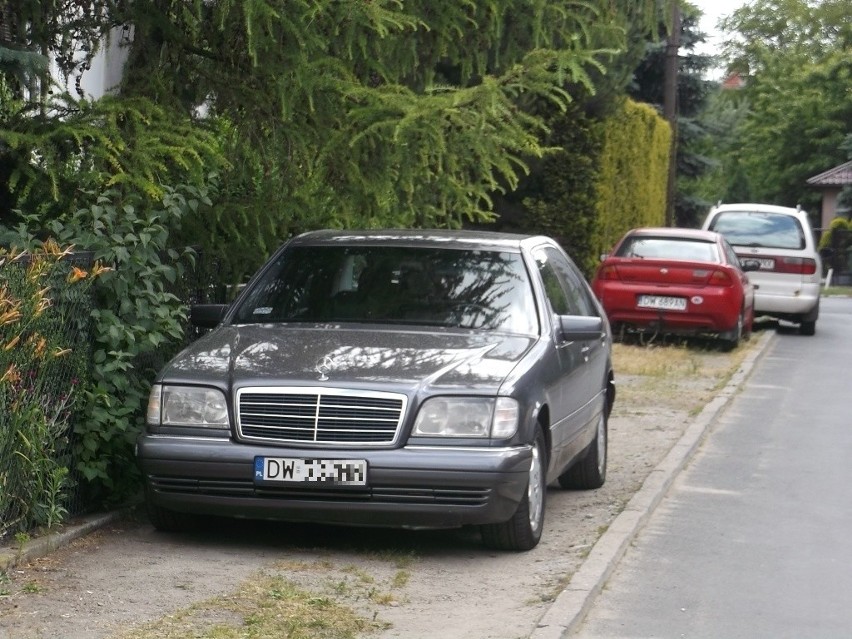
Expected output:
{"points": [[608, 273], [720, 278]]}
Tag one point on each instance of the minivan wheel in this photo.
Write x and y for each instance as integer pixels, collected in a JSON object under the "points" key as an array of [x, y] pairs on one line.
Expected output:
{"points": [[523, 530], [807, 328]]}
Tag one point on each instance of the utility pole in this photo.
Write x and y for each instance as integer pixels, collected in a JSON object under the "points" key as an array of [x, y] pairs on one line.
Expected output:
{"points": [[670, 107]]}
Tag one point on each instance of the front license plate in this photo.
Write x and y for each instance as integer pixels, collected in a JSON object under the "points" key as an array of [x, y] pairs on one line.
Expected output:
{"points": [[338, 472], [664, 303]]}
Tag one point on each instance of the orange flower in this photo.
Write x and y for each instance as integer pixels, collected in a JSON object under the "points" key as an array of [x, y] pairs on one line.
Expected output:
{"points": [[11, 375], [99, 268], [77, 274], [42, 305], [10, 316], [40, 344]]}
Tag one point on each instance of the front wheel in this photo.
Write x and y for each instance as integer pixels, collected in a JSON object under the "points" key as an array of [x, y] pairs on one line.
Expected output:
{"points": [[590, 471], [166, 520], [523, 530]]}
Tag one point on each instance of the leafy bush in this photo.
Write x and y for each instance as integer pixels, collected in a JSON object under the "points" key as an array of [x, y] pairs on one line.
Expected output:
{"points": [[838, 223], [40, 383]]}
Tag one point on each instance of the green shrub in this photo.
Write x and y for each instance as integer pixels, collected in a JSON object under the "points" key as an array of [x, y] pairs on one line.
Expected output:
{"points": [[631, 184], [838, 223]]}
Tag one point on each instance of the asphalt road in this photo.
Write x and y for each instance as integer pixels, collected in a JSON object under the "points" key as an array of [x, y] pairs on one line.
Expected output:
{"points": [[753, 538]]}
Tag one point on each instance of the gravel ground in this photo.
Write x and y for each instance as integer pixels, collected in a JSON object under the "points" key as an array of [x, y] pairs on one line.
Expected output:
{"points": [[413, 583]]}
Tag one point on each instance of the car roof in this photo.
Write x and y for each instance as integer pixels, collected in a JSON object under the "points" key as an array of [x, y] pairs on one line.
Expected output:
{"points": [[421, 237], [675, 233], [759, 208]]}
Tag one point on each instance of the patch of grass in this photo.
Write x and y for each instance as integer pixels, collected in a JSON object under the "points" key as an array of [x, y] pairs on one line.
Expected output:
{"points": [[653, 360], [397, 558], [401, 579], [31, 587], [264, 606], [836, 291], [360, 574]]}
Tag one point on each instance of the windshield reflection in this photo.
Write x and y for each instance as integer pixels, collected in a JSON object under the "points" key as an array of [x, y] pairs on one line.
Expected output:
{"points": [[444, 287]]}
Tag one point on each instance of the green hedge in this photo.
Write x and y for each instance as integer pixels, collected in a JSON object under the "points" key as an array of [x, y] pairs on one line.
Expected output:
{"points": [[631, 185]]}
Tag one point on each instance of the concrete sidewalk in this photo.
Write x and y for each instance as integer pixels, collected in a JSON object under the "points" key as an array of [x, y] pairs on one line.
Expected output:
{"points": [[571, 606]]}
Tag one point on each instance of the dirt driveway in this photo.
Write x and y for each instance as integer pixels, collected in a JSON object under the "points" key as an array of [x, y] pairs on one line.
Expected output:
{"points": [[112, 582]]}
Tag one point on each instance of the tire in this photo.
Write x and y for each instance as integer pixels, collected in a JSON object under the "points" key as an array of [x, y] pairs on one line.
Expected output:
{"points": [[166, 520], [589, 471], [748, 327], [807, 323], [807, 328], [731, 339], [523, 530]]}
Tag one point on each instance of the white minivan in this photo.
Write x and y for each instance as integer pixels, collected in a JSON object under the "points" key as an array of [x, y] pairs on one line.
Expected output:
{"points": [[787, 285]]}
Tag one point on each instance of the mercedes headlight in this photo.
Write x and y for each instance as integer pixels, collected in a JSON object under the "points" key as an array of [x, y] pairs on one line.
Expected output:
{"points": [[187, 406], [467, 417]]}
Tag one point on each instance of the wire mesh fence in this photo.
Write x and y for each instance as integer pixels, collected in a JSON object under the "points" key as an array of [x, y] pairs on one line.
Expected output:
{"points": [[45, 340]]}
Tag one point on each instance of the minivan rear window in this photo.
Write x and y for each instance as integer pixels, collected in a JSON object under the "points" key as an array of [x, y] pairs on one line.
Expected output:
{"points": [[760, 229]]}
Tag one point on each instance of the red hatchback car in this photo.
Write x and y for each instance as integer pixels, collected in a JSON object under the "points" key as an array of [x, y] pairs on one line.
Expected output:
{"points": [[676, 281]]}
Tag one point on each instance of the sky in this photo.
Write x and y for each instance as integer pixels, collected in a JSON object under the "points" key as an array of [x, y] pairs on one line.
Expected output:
{"points": [[714, 10]]}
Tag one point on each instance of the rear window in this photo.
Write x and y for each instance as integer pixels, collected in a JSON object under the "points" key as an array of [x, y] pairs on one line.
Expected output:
{"points": [[668, 248], [760, 229]]}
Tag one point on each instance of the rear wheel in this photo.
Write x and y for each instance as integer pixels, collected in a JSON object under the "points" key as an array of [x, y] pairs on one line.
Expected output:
{"points": [[807, 325], [590, 471], [523, 530], [731, 339], [807, 328]]}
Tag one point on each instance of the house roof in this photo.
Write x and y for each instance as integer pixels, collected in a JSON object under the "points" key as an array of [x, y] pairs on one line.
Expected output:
{"points": [[838, 176]]}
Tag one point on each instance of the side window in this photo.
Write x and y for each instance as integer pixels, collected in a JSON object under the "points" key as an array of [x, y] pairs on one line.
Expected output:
{"points": [[562, 284], [733, 258]]}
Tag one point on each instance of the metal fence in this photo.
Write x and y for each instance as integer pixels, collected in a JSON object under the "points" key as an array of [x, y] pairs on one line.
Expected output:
{"points": [[37, 396]]}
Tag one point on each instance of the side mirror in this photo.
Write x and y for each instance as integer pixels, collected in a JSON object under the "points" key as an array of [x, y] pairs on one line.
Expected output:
{"points": [[580, 328], [207, 315], [749, 265]]}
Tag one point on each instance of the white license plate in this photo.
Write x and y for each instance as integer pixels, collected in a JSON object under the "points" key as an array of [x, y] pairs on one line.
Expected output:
{"points": [[664, 303], [766, 264], [338, 472]]}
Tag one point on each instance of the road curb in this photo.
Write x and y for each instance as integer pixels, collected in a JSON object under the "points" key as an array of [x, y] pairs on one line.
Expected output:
{"points": [[11, 556], [570, 607]]}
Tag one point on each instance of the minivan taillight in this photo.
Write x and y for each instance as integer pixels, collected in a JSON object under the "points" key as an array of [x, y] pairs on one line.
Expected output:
{"points": [[795, 265]]}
